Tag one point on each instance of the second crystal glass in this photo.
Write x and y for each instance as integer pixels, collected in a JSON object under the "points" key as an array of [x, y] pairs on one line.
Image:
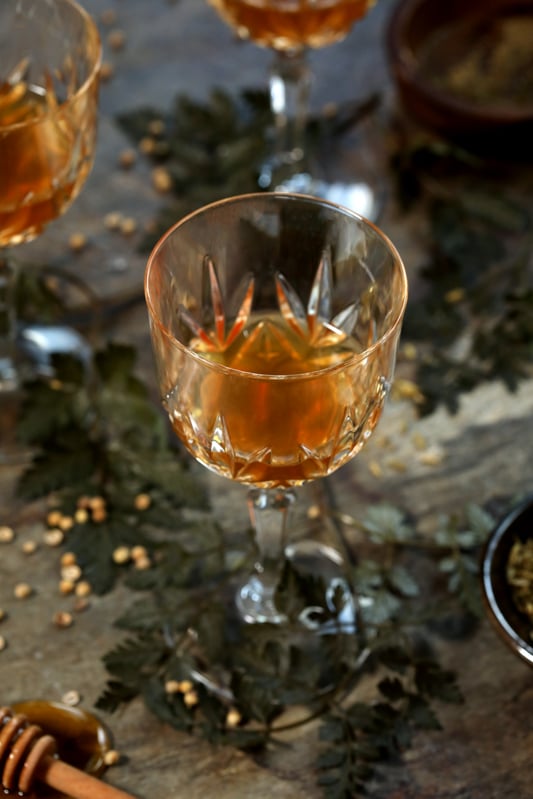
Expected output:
{"points": [[50, 55], [275, 320], [290, 28]]}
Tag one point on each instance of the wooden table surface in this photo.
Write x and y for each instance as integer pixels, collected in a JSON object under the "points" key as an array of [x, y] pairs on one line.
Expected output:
{"points": [[485, 748]]}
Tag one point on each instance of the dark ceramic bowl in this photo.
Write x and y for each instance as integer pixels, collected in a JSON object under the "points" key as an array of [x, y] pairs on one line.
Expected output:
{"points": [[436, 50], [512, 626]]}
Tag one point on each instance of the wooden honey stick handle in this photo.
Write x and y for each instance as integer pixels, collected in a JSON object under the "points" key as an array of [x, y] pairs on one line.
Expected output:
{"points": [[75, 783], [28, 755]]}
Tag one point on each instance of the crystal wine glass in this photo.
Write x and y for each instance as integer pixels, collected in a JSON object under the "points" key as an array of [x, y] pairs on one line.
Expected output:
{"points": [[290, 28], [50, 56], [275, 320]]}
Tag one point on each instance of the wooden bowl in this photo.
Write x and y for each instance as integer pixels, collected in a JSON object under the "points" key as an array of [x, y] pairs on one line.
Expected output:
{"points": [[513, 627], [459, 70]]}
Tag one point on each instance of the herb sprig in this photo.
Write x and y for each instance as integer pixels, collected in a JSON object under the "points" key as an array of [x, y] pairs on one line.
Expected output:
{"points": [[186, 653]]}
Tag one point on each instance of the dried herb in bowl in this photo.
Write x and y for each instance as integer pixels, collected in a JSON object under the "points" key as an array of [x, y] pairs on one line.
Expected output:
{"points": [[519, 574], [489, 63]]}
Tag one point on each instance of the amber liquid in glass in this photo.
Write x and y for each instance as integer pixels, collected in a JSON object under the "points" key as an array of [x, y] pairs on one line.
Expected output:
{"points": [[292, 24], [45, 155], [287, 416]]}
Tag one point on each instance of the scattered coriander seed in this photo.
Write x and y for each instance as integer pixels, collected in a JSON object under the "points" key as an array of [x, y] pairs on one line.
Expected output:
{"points": [[128, 226], [142, 501], [172, 687], [71, 698], [127, 158], [375, 469], [330, 110], [3, 614], [111, 757], [112, 220], [147, 145], [52, 282], [81, 604], [420, 442], [62, 619], [108, 16], [138, 551], [107, 70], [67, 559], [71, 573], [407, 389], [22, 591], [403, 427], [190, 698], [454, 295], [409, 351], [53, 518], [66, 523], [233, 718], [81, 516], [161, 179], [99, 515], [397, 465], [83, 502], [96, 502], [313, 512], [116, 39], [7, 534], [156, 127], [3, 643], [121, 555], [77, 242], [66, 587], [53, 538], [141, 564], [29, 547], [431, 458], [185, 686], [83, 589]]}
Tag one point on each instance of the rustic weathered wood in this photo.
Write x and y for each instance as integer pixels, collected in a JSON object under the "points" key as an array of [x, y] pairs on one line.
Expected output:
{"points": [[485, 748]]}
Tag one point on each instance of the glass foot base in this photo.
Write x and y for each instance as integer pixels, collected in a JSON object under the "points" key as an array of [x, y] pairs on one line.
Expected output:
{"points": [[255, 604], [30, 354], [358, 196], [319, 579], [335, 612], [40, 342], [31, 358]]}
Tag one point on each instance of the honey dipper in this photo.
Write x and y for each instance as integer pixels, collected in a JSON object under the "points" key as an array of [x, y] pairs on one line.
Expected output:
{"points": [[29, 755]]}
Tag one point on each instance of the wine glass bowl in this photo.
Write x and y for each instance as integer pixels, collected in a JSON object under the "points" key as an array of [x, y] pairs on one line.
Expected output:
{"points": [[274, 320], [49, 65], [292, 25]]}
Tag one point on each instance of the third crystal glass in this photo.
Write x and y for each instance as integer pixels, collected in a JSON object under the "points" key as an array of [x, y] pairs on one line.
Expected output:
{"points": [[275, 320]]}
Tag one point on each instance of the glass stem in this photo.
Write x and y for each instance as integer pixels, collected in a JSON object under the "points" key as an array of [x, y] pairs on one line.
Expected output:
{"points": [[289, 85], [269, 511], [8, 325]]}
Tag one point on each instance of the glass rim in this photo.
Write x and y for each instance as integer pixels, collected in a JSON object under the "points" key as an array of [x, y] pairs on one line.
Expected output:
{"points": [[84, 88], [356, 357]]}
